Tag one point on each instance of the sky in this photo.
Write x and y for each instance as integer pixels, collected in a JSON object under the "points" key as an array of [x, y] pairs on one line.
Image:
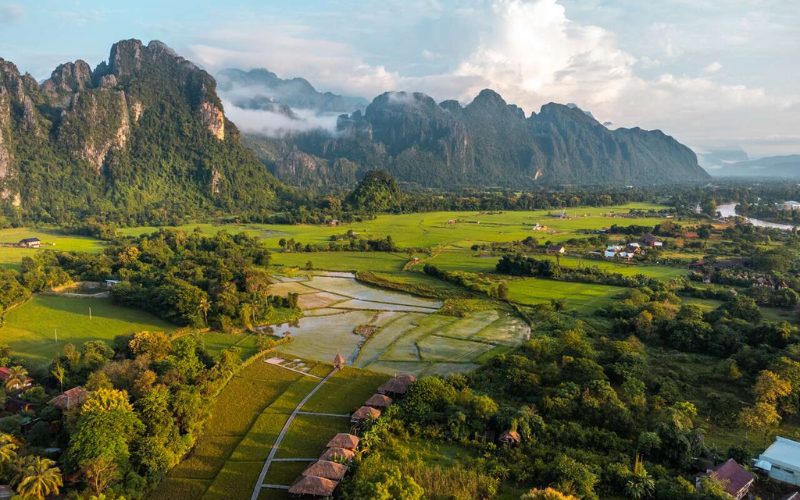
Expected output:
{"points": [[715, 74]]}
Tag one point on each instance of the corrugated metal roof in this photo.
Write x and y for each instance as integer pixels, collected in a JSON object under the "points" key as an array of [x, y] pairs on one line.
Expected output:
{"points": [[783, 452]]}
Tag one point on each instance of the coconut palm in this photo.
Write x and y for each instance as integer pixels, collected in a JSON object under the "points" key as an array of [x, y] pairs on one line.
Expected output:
{"points": [[8, 454], [39, 478], [17, 378]]}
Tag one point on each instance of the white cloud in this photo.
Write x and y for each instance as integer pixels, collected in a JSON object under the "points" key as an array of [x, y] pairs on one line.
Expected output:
{"points": [[714, 67], [274, 124], [532, 52], [11, 13]]}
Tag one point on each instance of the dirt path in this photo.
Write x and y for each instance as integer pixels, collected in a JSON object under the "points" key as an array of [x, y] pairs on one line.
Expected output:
{"points": [[276, 445]]}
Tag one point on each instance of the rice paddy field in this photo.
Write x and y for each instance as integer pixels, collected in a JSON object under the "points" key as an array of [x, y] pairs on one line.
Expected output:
{"points": [[390, 332], [31, 328], [432, 229], [245, 422]]}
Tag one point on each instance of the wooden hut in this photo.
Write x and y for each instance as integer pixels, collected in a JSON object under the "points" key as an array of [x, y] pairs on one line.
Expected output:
{"points": [[313, 486], [510, 438], [364, 413], [379, 401], [397, 385], [344, 440], [339, 362], [338, 455], [327, 469]]}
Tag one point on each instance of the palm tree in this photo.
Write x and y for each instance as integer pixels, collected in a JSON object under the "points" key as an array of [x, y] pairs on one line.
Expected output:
{"points": [[8, 450], [17, 378], [640, 484], [39, 478], [59, 374]]}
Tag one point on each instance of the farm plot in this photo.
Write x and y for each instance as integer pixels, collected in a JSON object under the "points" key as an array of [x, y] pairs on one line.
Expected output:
{"points": [[388, 331], [233, 416]]}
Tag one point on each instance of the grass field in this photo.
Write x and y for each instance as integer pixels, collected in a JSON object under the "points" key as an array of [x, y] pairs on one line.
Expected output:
{"points": [[581, 297], [30, 329], [10, 257]]}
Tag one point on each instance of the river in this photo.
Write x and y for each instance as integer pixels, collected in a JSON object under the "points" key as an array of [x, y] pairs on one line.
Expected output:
{"points": [[729, 210]]}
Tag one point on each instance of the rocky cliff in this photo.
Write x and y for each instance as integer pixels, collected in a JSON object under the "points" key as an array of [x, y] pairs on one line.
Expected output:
{"points": [[144, 131]]}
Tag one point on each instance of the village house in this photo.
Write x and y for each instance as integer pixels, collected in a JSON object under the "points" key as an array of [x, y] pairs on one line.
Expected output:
{"points": [[30, 243], [651, 241], [735, 479], [781, 461], [791, 205], [633, 248], [70, 398], [333, 222], [556, 249]]}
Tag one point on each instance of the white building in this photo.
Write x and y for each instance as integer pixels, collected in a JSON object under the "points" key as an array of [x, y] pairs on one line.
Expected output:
{"points": [[781, 461], [791, 205]]}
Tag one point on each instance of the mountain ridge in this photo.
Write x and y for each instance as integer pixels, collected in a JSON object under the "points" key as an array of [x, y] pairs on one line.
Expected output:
{"points": [[488, 142]]}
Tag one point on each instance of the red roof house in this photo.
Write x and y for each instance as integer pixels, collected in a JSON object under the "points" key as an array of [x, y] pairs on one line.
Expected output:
{"points": [[735, 479]]}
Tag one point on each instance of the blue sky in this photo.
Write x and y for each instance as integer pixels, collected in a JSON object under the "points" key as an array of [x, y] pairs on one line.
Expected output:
{"points": [[714, 74]]}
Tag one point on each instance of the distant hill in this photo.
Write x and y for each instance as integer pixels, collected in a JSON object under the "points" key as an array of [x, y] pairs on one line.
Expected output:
{"points": [[783, 167], [486, 143], [140, 136], [262, 89]]}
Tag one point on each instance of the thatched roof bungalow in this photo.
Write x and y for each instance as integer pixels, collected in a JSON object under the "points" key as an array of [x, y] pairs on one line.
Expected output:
{"points": [[337, 454], [378, 401], [326, 469], [397, 385], [314, 486], [364, 413], [339, 362], [344, 440], [510, 438]]}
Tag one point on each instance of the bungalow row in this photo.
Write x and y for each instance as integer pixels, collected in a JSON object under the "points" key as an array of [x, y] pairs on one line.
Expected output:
{"points": [[321, 478]]}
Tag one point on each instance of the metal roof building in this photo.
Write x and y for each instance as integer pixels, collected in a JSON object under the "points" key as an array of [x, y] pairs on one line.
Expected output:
{"points": [[781, 461]]}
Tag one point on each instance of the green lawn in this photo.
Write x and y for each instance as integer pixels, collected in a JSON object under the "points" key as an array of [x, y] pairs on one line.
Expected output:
{"points": [[10, 257], [30, 329]]}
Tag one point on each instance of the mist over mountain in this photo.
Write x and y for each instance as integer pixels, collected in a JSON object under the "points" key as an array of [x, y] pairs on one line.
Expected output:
{"points": [[781, 167], [260, 102], [142, 133], [485, 143]]}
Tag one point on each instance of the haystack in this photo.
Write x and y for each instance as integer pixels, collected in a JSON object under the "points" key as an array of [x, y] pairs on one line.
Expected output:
{"points": [[313, 485], [326, 469], [344, 440]]}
